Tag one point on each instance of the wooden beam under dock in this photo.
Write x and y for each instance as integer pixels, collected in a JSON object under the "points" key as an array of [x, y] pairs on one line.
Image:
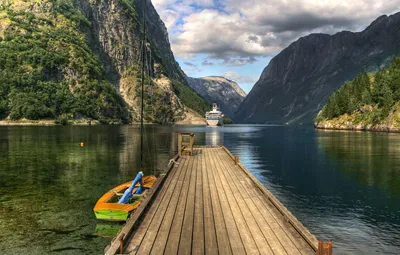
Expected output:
{"points": [[210, 203]]}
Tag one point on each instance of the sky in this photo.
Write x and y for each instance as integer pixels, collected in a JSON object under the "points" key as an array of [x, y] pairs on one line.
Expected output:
{"points": [[237, 38]]}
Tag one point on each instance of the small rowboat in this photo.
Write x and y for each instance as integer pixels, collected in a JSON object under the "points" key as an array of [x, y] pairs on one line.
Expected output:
{"points": [[110, 207]]}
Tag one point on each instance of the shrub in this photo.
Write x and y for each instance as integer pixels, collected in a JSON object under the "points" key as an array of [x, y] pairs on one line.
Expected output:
{"points": [[62, 120], [3, 109]]}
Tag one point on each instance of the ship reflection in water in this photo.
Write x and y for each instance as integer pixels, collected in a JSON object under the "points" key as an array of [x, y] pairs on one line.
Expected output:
{"points": [[214, 137]]}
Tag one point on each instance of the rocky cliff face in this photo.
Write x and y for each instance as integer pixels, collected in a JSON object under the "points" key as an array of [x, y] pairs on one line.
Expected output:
{"points": [[101, 44], [214, 89], [297, 82], [116, 36]]}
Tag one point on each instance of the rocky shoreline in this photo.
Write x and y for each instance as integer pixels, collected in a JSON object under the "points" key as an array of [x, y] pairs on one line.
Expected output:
{"points": [[193, 120], [43, 123], [331, 125]]}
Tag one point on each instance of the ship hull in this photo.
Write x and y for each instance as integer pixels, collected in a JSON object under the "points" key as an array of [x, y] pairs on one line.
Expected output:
{"points": [[215, 122]]}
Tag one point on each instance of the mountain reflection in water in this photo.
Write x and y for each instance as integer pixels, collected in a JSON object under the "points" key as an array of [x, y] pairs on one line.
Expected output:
{"points": [[343, 186]]}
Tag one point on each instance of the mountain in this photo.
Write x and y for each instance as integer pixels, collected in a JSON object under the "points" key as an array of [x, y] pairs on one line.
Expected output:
{"points": [[298, 81], [214, 89], [81, 59]]}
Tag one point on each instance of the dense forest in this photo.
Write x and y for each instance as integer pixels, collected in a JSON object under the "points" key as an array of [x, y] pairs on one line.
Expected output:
{"points": [[373, 96], [48, 71]]}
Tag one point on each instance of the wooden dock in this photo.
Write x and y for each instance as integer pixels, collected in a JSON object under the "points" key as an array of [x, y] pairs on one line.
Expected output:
{"points": [[209, 203]]}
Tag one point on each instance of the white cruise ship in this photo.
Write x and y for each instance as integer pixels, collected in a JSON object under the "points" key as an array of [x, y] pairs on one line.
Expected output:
{"points": [[215, 117]]}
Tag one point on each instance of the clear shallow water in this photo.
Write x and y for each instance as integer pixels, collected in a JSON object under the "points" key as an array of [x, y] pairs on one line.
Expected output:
{"points": [[343, 186]]}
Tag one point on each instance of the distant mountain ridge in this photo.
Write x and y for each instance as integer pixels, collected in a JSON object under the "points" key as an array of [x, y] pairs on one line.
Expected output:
{"points": [[298, 81], [216, 89]]}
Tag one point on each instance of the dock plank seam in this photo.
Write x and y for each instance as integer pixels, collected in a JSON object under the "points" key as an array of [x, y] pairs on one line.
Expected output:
{"points": [[268, 235], [150, 214], [198, 241], [222, 233], [210, 235], [279, 218], [240, 187], [239, 203], [151, 234], [177, 222], [280, 221], [159, 245], [185, 242], [234, 232], [299, 228]]}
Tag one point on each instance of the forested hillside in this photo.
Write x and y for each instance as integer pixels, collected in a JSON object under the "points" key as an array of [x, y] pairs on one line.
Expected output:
{"points": [[370, 99], [47, 67], [70, 59]]}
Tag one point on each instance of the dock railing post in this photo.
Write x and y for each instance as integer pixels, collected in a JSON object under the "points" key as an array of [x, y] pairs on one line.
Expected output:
{"points": [[180, 144], [236, 160], [324, 248], [121, 244]]}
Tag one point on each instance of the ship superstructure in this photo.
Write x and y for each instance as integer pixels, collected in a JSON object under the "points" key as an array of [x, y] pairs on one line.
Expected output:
{"points": [[215, 117]]}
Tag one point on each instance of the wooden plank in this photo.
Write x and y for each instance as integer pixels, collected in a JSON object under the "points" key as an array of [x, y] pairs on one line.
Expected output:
{"points": [[210, 236], [198, 225], [252, 217], [151, 234], [176, 227], [301, 230], [286, 233], [276, 224], [248, 196], [139, 234], [237, 245], [221, 231], [248, 239], [185, 242], [139, 213], [163, 233]]}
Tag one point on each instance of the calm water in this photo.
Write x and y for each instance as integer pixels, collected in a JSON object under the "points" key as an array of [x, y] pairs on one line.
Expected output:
{"points": [[343, 186]]}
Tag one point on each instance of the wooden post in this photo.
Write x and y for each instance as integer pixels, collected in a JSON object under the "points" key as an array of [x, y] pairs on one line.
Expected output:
{"points": [[236, 160], [180, 144], [121, 244], [324, 248]]}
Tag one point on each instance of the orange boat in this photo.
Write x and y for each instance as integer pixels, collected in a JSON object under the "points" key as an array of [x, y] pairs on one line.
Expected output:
{"points": [[109, 207]]}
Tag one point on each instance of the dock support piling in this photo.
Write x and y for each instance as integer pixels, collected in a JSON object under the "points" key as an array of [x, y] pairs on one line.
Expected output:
{"points": [[236, 160], [324, 248], [121, 244]]}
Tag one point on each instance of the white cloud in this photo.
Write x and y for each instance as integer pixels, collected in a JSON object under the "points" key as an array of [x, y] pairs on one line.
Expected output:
{"points": [[240, 78], [217, 34], [170, 17], [241, 29]]}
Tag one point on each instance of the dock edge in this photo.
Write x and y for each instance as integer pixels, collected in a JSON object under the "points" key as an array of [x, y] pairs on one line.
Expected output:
{"points": [[297, 225], [132, 222]]}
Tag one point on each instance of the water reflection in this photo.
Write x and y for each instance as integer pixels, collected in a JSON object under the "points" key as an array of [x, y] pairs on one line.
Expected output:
{"points": [[368, 158], [343, 186], [214, 137], [49, 183]]}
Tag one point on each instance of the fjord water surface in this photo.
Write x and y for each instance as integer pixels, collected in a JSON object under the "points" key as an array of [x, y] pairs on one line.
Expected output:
{"points": [[343, 186]]}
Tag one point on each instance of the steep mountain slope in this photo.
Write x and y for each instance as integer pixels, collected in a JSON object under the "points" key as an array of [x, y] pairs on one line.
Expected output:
{"points": [[297, 82], [81, 59], [214, 89]]}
